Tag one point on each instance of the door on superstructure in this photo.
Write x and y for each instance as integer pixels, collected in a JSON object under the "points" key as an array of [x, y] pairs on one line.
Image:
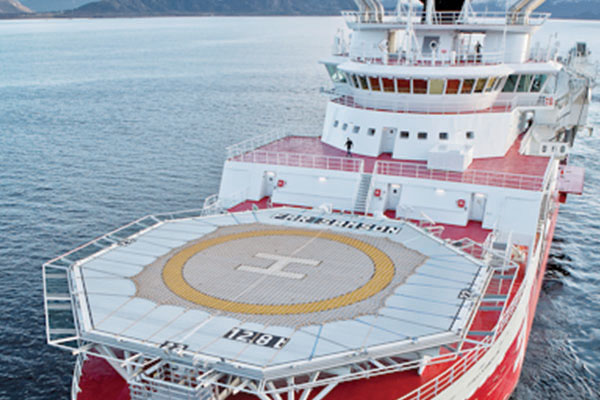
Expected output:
{"points": [[268, 184], [477, 210], [393, 197], [388, 138]]}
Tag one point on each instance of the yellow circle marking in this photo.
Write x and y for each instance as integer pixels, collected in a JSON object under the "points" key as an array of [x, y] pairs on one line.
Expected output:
{"points": [[173, 276]]}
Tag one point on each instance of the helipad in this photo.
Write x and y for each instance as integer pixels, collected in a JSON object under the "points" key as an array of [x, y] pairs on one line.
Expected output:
{"points": [[268, 288]]}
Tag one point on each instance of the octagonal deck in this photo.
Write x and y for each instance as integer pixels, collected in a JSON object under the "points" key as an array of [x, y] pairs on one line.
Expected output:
{"points": [[273, 287]]}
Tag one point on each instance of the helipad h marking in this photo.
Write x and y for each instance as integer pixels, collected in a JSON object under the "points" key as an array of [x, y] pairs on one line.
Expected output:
{"points": [[383, 274], [276, 269]]}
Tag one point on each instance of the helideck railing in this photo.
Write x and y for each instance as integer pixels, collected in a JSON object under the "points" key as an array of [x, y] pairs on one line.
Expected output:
{"points": [[475, 177]]}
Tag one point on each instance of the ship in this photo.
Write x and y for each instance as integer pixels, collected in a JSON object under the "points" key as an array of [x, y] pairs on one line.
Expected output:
{"points": [[396, 255]]}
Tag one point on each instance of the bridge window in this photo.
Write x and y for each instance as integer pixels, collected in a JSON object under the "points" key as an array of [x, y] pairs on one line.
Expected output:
{"points": [[538, 82], [467, 86], [363, 82], [374, 83], [510, 84], [336, 75], [403, 85], [452, 86], [422, 135], [524, 83], [388, 85], [404, 134], [490, 84], [480, 85], [498, 83], [419, 86], [436, 86], [354, 81]]}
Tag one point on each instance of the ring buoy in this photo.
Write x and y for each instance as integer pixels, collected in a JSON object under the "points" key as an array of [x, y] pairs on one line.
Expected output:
{"points": [[461, 203]]}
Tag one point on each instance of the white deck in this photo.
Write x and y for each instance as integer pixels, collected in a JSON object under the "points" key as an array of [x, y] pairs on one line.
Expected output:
{"points": [[320, 311]]}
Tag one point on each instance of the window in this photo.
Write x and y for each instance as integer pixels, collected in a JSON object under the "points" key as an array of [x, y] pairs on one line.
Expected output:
{"points": [[355, 81], [470, 135], [404, 135], [336, 75], [510, 84], [375, 83], [419, 86], [480, 85], [538, 82], [467, 86], [443, 135], [345, 126], [336, 123], [388, 85], [389, 131], [436, 86], [498, 83], [356, 129], [422, 135], [371, 131], [452, 86], [524, 83], [363, 82], [490, 84], [403, 85]]}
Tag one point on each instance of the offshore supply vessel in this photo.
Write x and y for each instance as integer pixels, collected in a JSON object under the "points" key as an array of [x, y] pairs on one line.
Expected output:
{"points": [[398, 254]]}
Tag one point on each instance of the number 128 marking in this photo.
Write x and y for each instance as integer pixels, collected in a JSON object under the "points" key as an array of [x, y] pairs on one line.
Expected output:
{"points": [[256, 338]]}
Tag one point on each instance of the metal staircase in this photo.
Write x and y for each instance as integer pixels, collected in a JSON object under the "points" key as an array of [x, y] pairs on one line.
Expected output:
{"points": [[360, 200]]}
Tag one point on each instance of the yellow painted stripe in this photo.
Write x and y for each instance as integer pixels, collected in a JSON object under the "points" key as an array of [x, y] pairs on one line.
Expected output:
{"points": [[383, 275]]}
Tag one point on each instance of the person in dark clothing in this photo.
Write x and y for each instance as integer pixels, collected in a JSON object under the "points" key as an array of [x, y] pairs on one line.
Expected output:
{"points": [[478, 48], [349, 145]]}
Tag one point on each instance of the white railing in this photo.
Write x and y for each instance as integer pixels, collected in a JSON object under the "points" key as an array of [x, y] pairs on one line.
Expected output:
{"points": [[447, 18], [75, 389], [443, 58], [430, 107], [347, 164], [255, 142], [475, 177]]}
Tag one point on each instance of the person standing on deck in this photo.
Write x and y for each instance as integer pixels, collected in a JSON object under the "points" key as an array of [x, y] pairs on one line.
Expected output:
{"points": [[349, 145]]}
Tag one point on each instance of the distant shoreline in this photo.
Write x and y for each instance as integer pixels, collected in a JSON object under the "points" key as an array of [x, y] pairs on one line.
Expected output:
{"points": [[69, 15]]}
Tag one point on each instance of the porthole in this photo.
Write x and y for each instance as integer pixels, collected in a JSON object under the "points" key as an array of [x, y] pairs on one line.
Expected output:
{"points": [[470, 135], [371, 131], [422, 135], [345, 126], [336, 123], [404, 134], [443, 135], [356, 129]]}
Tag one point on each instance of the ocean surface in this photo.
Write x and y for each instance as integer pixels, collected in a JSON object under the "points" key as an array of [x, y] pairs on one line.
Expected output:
{"points": [[104, 121]]}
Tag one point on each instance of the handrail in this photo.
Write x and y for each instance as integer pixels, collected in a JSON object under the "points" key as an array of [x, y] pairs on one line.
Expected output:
{"points": [[475, 177], [255, 142], [445, 108], [302, 160], [448, 18]]}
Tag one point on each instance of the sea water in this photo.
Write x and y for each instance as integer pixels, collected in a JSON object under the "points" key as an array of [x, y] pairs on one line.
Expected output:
{"points": [[104, 121]]}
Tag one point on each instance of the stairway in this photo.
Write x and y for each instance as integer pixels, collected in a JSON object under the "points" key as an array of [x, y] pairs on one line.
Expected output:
{"points": [[360, 201]]}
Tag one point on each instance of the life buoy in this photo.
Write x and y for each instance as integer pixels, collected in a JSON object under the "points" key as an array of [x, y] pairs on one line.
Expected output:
{"points": [[280, 183], [377, 193], [461, 203]]}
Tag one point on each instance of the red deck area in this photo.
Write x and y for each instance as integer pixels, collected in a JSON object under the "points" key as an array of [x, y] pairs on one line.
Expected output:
{"points": [[513, 170]]}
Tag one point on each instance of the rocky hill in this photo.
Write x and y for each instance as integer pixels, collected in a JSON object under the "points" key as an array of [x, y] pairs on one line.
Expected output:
{"points": [[13, 7], [231, 7]]}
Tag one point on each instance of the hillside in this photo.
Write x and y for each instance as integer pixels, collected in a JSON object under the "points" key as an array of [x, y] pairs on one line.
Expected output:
{"points": [[13, 7], [232, 7]]}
